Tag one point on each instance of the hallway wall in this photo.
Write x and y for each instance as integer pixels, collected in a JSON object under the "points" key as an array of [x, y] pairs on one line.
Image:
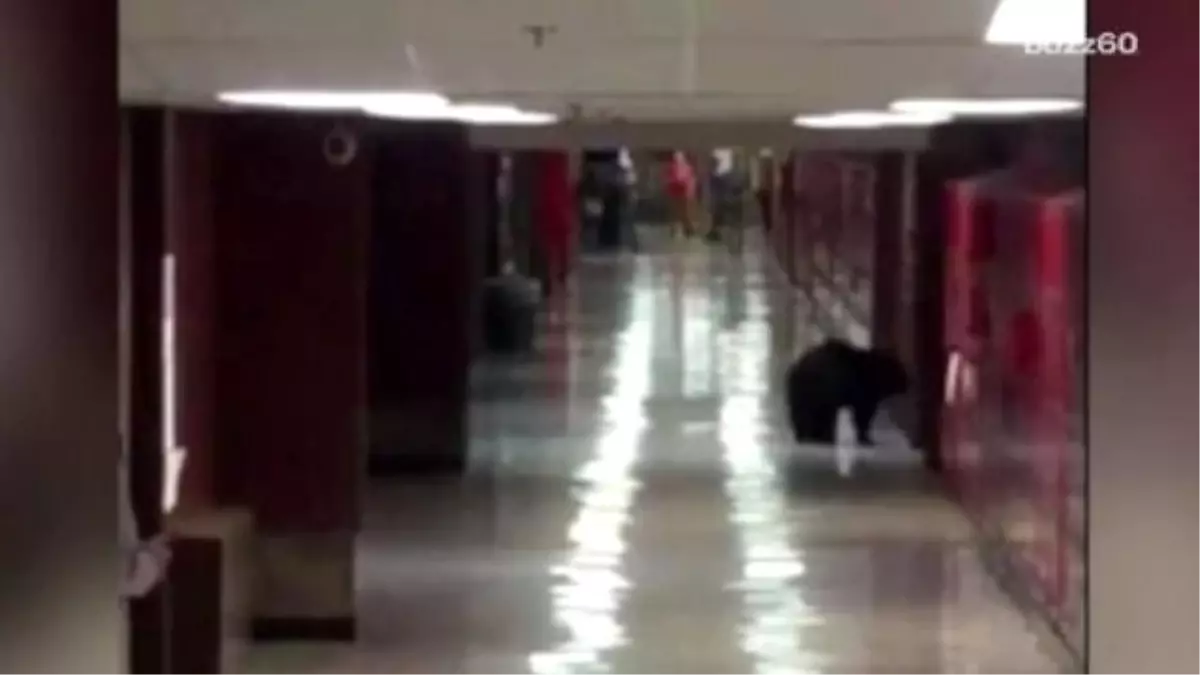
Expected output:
{"points": [[191, 238], [426, 260], [270, 237], [1141, 313], [322, 305], [59, 339], [291, 231], [143, 419]]}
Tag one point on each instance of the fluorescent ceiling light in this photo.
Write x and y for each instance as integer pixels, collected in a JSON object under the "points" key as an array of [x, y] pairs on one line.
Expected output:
{"points": [[470, 113], [870, 119], [401, 105], [1023, 22], [402, 110], [332, 100], [500, 114], [985, 106]]}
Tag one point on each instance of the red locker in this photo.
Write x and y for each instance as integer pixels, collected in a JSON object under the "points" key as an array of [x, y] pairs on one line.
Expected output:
{"points": [[960, 437], [1012, 419]]}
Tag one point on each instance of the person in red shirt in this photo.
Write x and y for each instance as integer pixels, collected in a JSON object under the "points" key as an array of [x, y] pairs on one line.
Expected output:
{"points": [[681, 187], [555, 216]]}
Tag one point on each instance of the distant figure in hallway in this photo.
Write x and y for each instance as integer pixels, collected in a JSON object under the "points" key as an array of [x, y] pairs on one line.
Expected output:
{"points": [[763, 181], [555, 218], [836, 375], [603, 197], [590, 195], [725, 192], [681, 188], [629, 199]]}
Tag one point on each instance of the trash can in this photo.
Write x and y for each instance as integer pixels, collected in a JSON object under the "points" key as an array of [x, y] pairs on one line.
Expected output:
{"points": [[510, 304]]}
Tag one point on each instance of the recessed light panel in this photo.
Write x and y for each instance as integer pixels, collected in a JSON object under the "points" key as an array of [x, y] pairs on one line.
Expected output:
{"points": [[330, 100], [870, 119], [401, 105], [1025, 22], [987, 107], [467, 113]]}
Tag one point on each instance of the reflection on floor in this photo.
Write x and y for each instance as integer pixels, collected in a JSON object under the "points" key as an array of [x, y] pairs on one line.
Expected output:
{"points": [[637, 506]]}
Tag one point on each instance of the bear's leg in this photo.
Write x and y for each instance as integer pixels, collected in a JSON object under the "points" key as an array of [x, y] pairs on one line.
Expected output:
{"points": [[824, 424], [802, 423], [799, 409], [864, 414]]}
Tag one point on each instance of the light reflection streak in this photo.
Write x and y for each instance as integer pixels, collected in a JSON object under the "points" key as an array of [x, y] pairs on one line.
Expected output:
{"points": [[697, 353], [589, 583], [773, 606]]}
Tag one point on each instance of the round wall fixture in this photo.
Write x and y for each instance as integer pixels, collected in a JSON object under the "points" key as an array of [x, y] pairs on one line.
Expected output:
{"points": [[340, 147]]}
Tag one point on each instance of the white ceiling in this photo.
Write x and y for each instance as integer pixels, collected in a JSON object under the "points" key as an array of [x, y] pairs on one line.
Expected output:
{"points": [[640, 59]]}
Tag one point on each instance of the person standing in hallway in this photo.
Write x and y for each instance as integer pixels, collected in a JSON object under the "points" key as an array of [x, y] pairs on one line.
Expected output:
{"points": [[764, 187], [727, 189], [628, 199], [589, 198], [681, 189], [555, 219], [602, 196]]}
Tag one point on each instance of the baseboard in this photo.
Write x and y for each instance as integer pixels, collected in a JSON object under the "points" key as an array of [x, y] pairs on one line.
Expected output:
{"points": [[304, 629], [389, 465]]}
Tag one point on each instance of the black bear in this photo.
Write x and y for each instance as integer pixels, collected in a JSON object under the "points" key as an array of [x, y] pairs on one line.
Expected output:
{"points": [[836, 375]]}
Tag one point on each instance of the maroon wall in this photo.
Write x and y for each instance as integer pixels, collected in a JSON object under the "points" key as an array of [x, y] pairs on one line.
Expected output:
{"points": [[1142, 241], [426, 260], [892, 320], [493, 205], [58, 337], [191, 239], [143, 162], [887, 323], [291, 232], [269, 235]]}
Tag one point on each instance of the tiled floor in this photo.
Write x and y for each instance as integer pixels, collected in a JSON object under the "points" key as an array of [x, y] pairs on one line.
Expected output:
{"points": [[637, 506]]}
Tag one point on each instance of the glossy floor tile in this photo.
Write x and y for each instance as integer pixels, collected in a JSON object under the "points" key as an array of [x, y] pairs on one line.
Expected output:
{"points": [[636, 505]]}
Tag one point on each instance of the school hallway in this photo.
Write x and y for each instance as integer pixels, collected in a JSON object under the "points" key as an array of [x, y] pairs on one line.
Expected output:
{"points": [[635, 504]]}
